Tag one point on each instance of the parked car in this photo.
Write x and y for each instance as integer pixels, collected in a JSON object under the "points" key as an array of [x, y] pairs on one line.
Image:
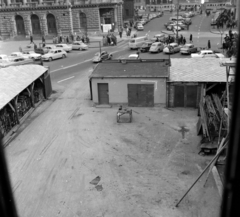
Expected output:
{"points": [[160, 37], [19, 54], [156, 47], [29, 47], [140, 27], [207, 54], [188, 49], [65, 47], [32, 55], [133, 56], [146, 46], [173, 27], [79, 45], [54, 54], [171, 48], [50, 47], [3, 57], [100, 57]]}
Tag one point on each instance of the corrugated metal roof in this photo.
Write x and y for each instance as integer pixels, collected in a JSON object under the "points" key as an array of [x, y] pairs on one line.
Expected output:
{"points": [[197, 70], [15, 79], [130, 69]]}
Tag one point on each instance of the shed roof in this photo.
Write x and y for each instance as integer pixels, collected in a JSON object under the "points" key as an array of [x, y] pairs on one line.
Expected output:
{"points": [[197, 70], [14, 79], [131, 69]]}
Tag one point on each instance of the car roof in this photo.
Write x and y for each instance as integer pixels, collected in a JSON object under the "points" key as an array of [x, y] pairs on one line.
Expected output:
{"points": [[173, 43], [56, 49], [188, 44], [158, 42], [133, 55]]}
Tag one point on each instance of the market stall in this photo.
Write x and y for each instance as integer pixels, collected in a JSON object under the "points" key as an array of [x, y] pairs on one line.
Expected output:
{"points": [[22, 88]]}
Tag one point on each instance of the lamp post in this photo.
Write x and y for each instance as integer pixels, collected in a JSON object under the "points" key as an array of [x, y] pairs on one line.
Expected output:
{"points": [[177, 18]]}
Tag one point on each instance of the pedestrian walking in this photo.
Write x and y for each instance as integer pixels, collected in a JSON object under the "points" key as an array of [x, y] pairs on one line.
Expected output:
{"points": [[184, 40], [43, 39], [31, 39], [67, 39], [209, 44], [120, 32], [191, 39]]}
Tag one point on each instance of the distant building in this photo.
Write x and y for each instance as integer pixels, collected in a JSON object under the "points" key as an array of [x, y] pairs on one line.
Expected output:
{"points": [[128, 9], [140, 4], [20, 18]]}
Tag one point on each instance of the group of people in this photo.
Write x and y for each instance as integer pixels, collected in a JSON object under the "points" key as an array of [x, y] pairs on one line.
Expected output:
{"points": [[110, 39], [68, 39], [230, 44], [226, 18]]}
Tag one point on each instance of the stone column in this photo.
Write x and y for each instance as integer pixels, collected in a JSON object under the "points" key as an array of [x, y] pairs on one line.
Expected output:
{"points": [[40, 2], [44, 27], [24, 2], [8, 2], [70, 20], [28, 25]]}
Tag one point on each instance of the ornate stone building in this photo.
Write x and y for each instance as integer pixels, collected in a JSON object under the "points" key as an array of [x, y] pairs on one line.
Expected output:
{"points": [[43, 17]]}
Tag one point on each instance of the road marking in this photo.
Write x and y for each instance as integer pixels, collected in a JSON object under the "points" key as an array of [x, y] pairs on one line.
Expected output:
{"points": [[88, 60], [65, 79]]}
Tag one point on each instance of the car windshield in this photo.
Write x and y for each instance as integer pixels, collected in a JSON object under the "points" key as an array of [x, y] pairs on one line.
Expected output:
{"points": [[59, 45], [76, 43], [154, 45]]}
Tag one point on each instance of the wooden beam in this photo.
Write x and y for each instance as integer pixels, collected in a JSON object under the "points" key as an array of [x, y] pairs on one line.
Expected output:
{"points": [[209, 88]]}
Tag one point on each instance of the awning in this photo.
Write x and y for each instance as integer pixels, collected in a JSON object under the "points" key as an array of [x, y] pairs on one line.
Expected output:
{"points": [[14, 79]]}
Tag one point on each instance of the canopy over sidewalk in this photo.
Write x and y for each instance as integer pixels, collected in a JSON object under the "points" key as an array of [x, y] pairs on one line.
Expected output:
{"points": [[14, 79]]}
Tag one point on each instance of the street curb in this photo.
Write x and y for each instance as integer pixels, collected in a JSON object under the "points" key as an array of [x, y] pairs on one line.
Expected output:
{"points": [[217, 180]]}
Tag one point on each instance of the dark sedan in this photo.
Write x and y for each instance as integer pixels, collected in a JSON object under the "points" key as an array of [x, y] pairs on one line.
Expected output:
{"points": [[146, 46]]}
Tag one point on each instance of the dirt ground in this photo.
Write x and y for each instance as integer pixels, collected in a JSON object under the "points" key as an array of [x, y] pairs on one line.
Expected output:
{"points": [[136, 169]]}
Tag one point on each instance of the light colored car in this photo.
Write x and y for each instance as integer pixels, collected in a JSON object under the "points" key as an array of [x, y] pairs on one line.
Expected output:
{"points": [[49, 47], [3, 57], [100, 57], [171, 48], [65, 47], [19, 54], [188, 49], [79, 45], [140, 27], [156, 47], [174, 27], [32, 55], [160, 37], [207, 54], [54, 54], [133, 56], [29, 47]]}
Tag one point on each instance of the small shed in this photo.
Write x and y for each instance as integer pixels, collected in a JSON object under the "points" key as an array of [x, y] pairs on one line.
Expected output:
{"points": [[192, 78], [137, 83]]}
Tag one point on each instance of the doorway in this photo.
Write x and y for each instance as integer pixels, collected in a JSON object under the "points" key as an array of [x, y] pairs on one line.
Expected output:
{"points": [[20, 25], [103, 95], [36, 29], [51, 23]]}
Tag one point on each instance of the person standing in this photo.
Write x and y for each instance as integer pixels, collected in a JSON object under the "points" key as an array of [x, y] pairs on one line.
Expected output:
{"points": [[191, 38], [209, 44], [184, 40], [120, 32], [31, 39]]}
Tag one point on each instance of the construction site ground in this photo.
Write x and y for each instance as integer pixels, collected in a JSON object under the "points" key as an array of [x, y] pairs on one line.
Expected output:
{"points": [[139, 169]]}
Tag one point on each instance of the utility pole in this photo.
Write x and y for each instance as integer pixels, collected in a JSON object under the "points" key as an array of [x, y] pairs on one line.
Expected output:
{"points": [[177, 17]]}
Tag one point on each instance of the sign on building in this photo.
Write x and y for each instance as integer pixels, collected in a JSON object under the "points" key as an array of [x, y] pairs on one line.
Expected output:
{"points": [[106, 27]]}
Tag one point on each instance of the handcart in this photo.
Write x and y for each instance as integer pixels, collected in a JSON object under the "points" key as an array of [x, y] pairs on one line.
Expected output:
{"points": [[122, 111]]}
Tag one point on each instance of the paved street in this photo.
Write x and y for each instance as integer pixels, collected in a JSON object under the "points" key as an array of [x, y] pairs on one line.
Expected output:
{"points": [[143, 168]]}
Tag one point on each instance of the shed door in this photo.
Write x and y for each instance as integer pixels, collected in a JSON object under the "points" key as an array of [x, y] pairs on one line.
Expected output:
{"points": [[179, 96], [103, 97], [141, 95], [191, 92]]}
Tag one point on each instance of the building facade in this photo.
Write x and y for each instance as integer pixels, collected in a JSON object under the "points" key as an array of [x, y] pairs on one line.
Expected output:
{"points": [[39, 17], [140, 4], [128, 9]]}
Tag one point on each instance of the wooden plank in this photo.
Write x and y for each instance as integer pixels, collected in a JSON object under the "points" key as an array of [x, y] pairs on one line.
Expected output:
{"points": [[209, 88]]}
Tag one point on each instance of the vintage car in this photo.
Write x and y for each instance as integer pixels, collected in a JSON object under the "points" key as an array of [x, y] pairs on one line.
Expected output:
{"points": [[173, 27], [32, 55], [79, 45], [100, 57], [29, 47], [188, 49], [133, 56], [19, 54], [140, 27], [159, 37], [207, 54], [146, 46], [171, 48], [65, 47], [156, 47], [3, 57], [49, 47], [54, 54]]}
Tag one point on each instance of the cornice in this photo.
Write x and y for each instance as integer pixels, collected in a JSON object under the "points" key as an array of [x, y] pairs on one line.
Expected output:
{"points": [[55, 7]]}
